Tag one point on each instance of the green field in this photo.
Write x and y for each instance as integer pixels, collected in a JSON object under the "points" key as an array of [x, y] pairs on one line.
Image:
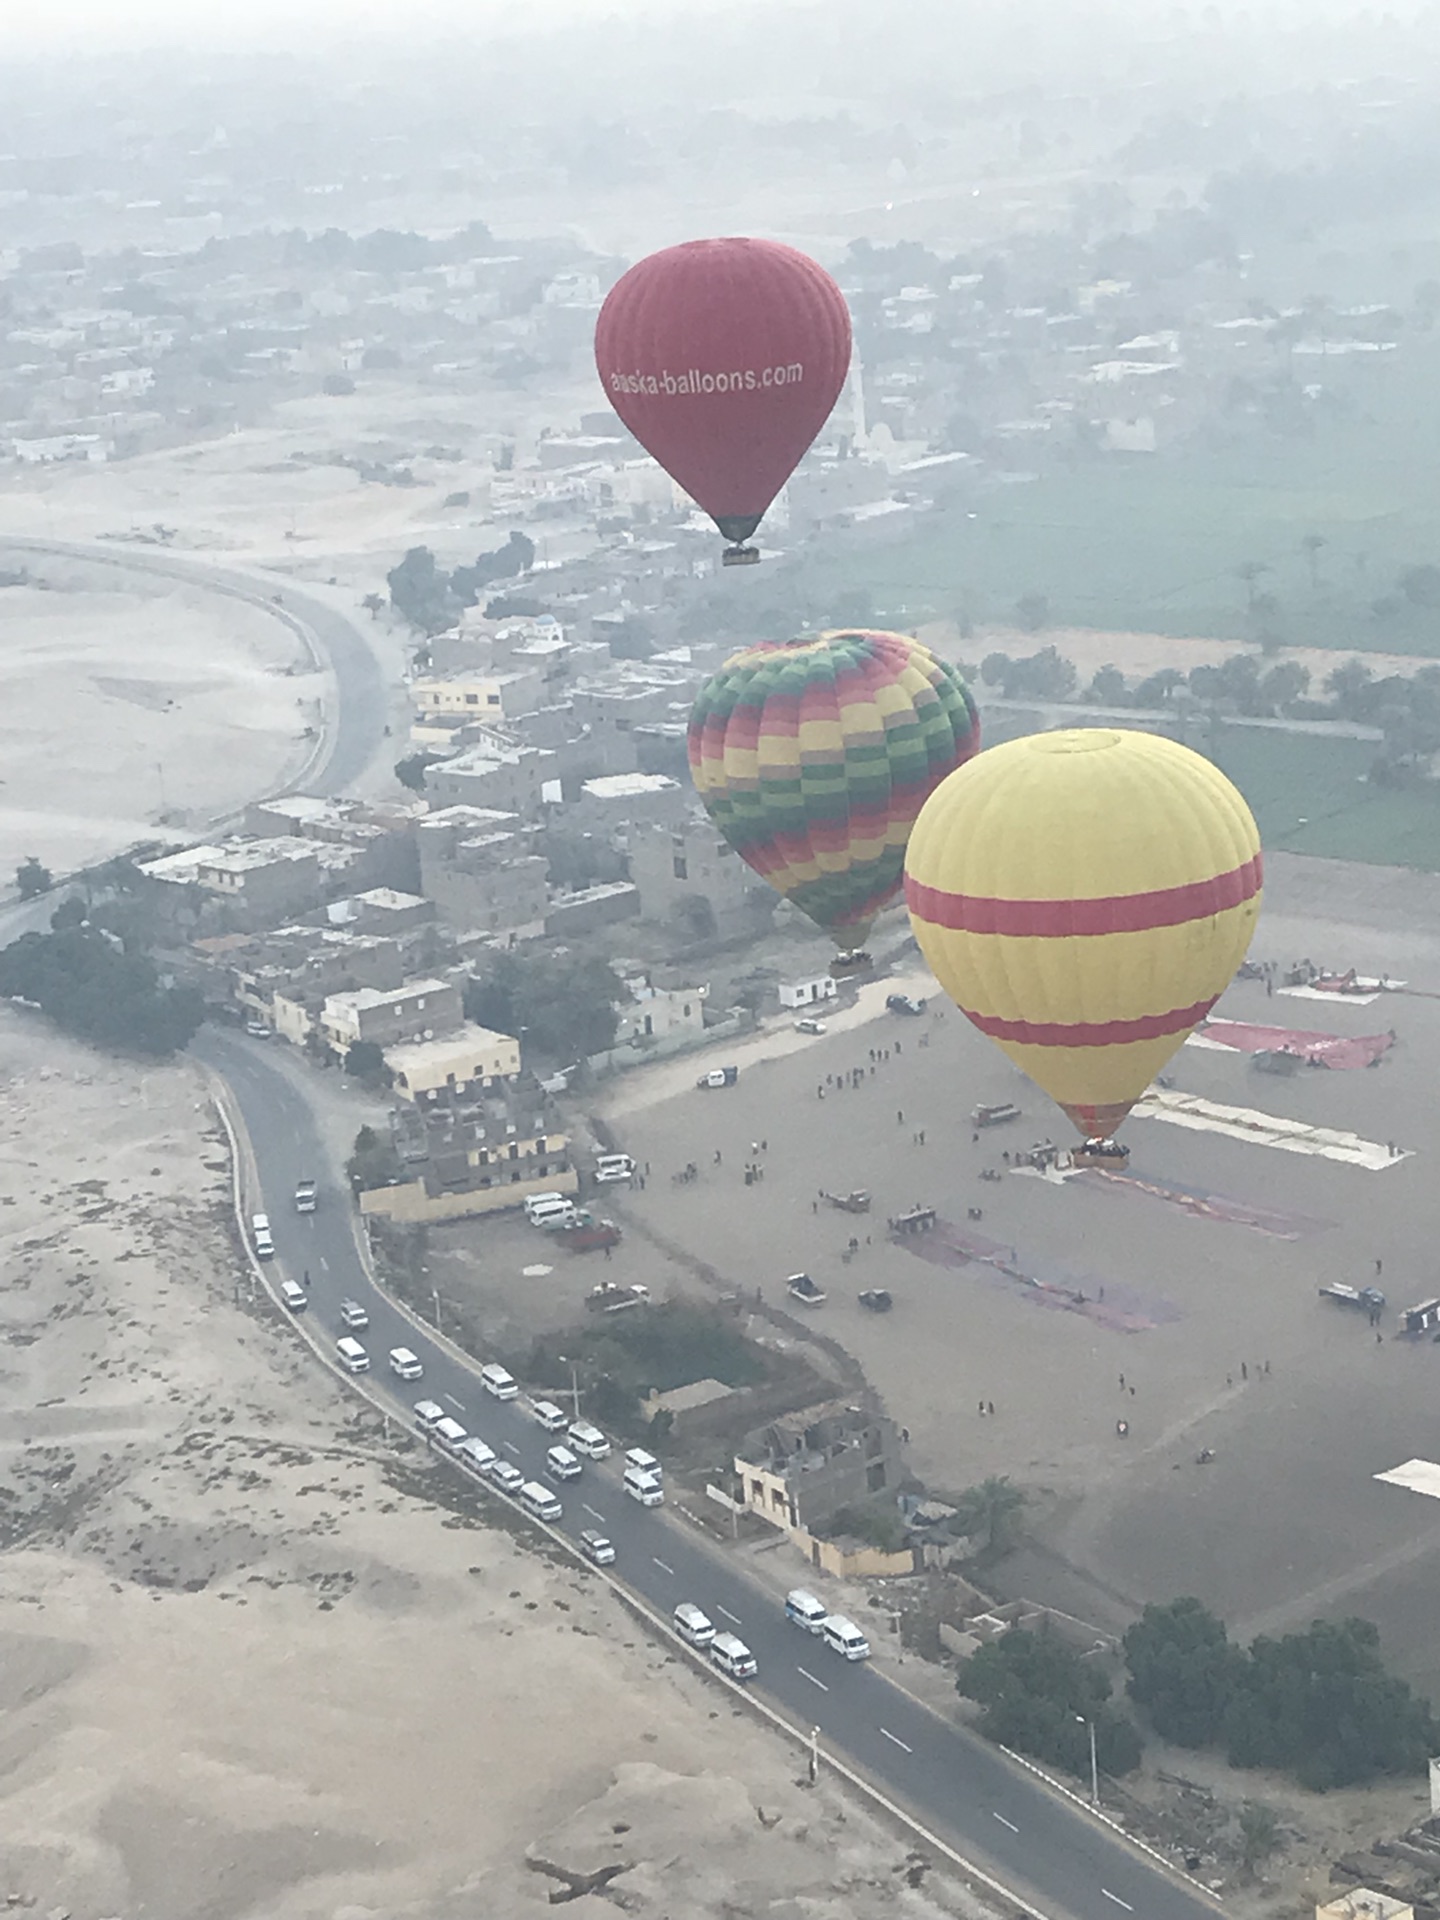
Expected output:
{"points": [[1153, 543]]}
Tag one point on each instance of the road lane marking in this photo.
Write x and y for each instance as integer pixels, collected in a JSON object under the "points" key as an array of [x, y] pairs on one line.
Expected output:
{"points": [[733, 1618], [1118, 1901], [1011, 1825], [896, 1738], [453, 1402], [662, 1566], [593, 1514], [811, 1678], [510, 1447], [324, 1264]]}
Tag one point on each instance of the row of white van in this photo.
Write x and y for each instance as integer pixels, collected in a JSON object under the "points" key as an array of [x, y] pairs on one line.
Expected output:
{"points": [[353, 1357], [733, 1657], [838, 1632]]}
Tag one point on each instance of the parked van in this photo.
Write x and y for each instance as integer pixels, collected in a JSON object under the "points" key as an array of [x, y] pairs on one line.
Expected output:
{"points": [[732, 1656], [540, 1501], [498, 1383], [643, 1462], [644, 1487], [842, 1636], [353, 1315], [588, 1440], [802, 1609], [551, 1219], [562, 1463], [540, 1201], [261, 1236], [474, 1454], [428, 1414], [549, 1416], [405, 1363], [353, 1356], [614, 1166], [294, 1295], [693, 1626], [448, 1432]]}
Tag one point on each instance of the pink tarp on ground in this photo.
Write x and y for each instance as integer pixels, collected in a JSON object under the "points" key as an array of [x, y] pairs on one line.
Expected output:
{"points": [[1326, 1049]]}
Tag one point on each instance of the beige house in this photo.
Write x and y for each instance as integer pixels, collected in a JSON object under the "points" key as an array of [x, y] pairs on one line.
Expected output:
{"points": [[441, 1072], [419, 1010], [480, 1180]]}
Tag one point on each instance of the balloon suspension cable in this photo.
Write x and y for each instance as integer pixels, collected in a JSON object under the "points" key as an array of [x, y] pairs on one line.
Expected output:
{"points": [[740, 556]]}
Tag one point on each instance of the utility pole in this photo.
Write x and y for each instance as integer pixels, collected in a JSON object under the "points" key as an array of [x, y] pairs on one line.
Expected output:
{"points": [[574, 1382], [1089, 1725], [814, 1755]]}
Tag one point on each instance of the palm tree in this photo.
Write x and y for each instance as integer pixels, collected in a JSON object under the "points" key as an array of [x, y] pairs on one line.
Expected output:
{"points": [[373, 605], [990, 1509], [1250, 571], [1259, 1833]]}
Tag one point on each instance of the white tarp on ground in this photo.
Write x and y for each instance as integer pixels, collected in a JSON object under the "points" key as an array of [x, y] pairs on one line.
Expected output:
{"points": [[1330, 997], [1417, 1476], [1266, 1129]]}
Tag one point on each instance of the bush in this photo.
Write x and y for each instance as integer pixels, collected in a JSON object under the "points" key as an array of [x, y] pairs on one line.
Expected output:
{"points": [[87, 983], [1037, 1694]]}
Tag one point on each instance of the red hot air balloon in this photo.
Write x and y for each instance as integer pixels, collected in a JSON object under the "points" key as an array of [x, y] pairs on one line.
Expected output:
{"points": [[724, 358]]}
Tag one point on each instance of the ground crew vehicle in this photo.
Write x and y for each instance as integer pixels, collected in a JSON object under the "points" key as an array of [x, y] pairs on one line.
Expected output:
{"points": [[719, 1077]]}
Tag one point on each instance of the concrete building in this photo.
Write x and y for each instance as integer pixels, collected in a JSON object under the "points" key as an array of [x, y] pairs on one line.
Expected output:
{"points": [[379, 834], [480, 867], [801, 1469], [476, 1166], [419, 1010], [304, 965], [571, 914], [245, 883], [483, 696], [660, 1013], [454, 1071], [492, 774], [382, 910], [807, 993], [672, 867], [616, 804]]}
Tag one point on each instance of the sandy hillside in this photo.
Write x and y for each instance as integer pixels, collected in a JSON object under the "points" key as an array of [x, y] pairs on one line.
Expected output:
{"points": [[255, 1660]]}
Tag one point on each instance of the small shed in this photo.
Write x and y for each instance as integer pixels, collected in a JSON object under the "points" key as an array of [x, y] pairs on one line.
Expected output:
{"points": [[807, 993]]}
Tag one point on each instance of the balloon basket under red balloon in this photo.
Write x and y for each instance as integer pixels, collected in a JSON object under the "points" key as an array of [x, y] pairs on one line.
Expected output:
{"points": [[740, 557], [1101, 1152], [847, 963]]}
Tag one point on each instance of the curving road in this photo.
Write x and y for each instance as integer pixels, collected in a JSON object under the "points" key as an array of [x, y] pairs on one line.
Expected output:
{"points": [[335, 641], [998, 1817]]}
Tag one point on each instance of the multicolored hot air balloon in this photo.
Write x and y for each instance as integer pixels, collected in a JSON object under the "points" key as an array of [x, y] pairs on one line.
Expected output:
{"points": [[1085, 897], [814, 758], [724, 358]]}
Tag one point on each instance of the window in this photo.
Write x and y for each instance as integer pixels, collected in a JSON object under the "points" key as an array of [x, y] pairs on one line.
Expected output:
{"points": [[472, 699], [685, 1011], [682, 871], [493, 699]]}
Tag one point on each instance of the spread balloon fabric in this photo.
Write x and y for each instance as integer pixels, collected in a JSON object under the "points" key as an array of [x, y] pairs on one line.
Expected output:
{"points": [[814, 758], [1084, 897], [724, 358]]}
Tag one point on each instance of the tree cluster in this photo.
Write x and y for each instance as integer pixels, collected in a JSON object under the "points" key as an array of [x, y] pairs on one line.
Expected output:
{"points": [[1040, 1697], [83, 977], [430, 598], [1318, 1705], [563, 1004]]}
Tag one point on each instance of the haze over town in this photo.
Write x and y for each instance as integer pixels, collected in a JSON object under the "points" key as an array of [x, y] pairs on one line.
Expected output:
{"points": [[529, 1372]]}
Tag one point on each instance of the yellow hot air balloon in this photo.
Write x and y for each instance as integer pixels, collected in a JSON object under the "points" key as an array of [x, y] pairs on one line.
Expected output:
{"points": [[1085, 897]]}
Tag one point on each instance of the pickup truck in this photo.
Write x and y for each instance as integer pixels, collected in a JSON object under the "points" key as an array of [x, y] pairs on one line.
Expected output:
{"points": [[1370, 1298], [307, 1195], [802, 1288]]}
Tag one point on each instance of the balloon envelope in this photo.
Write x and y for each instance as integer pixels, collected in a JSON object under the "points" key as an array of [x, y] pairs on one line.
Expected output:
{"points": [[724, 359], [1084, 897], [814, 758]]}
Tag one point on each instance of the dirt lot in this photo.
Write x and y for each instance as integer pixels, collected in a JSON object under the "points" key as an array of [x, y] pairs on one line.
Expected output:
{"points": [[254, 1662], [1287, 1521]]}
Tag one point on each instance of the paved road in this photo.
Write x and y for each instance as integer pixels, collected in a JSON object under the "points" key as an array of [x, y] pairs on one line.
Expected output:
{"points": [[339, 642], [962, 1789]]}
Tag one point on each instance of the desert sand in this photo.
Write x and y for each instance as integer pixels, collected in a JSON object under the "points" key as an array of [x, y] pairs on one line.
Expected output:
{"points": [[259, 1658]]}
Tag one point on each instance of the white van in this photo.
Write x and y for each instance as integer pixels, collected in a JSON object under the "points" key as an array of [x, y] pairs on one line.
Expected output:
{"points": [[294, 1295], [562, 1463], [732, 1656], [588, 1440], [693, 1626], [353, 1315], [428, 1414], [643, 1462], [551, 1219], [842, 1636], [262, 1237], [474, 1454], [543, 1200], [644, 1487], [405, 1363], [448, 1432], [548, 1415], [803, 1610], [614, 1166], [353, 1356], [540, 1501], [498, 1383]]}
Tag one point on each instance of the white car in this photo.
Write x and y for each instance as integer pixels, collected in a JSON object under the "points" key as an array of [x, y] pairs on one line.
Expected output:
{"points": [[474, 1454], [588, 1440], [428, 1414], [507, 1476], [562, 1464], [548, 1415], [405, 1363], [809, 1026], [354, 1315]]}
